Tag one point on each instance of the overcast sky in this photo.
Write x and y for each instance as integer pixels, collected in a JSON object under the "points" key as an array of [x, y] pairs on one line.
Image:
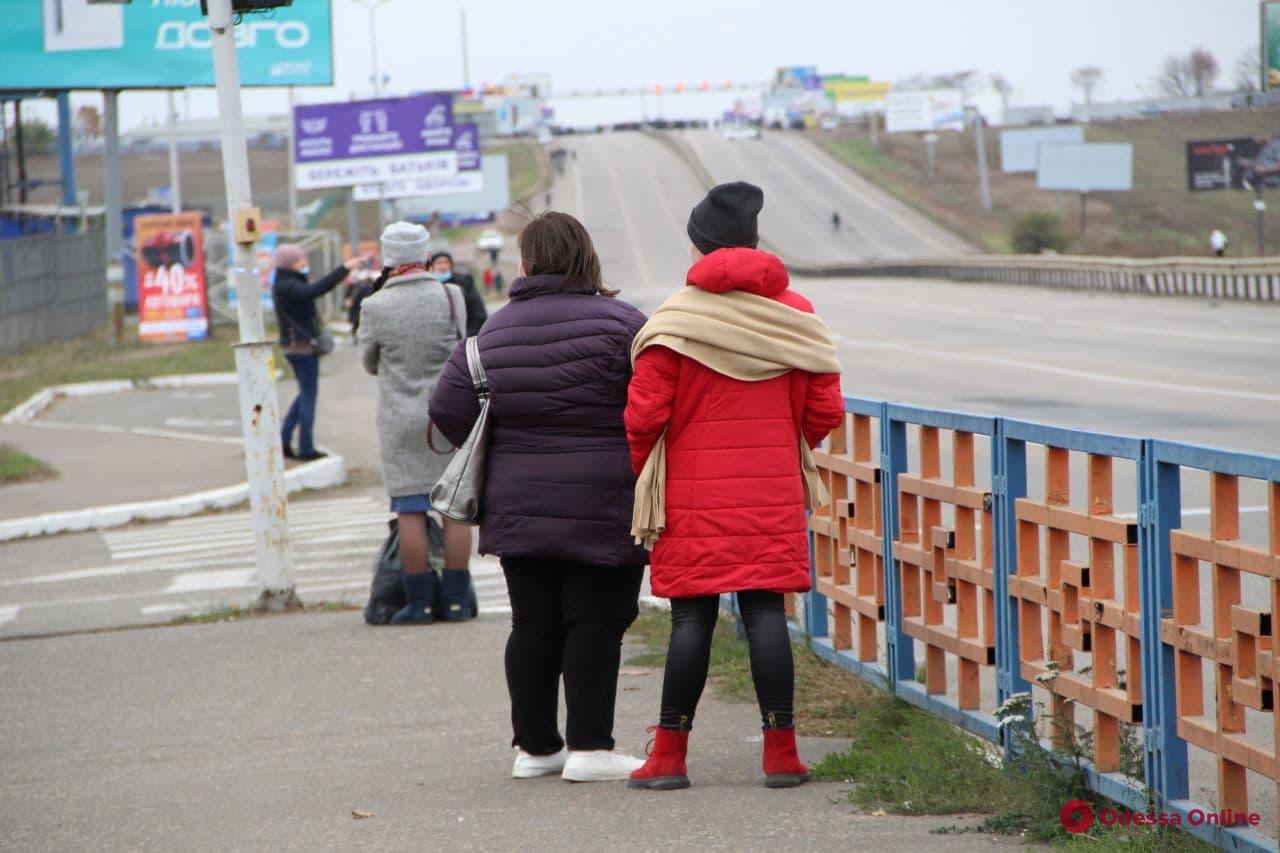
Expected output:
{"points": [[1035, 43]]}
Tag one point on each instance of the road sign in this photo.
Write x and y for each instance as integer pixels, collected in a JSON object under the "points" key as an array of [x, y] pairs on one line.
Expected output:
{"points": [[172, 302], [466, 142], [81, 44], [1085, 166], [926, 109], [376, 141], [1270, 45], [1020, 149]]}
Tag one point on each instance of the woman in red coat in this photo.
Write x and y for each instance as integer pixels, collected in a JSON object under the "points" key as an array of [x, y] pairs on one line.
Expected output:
{"points": [[731, 376]]}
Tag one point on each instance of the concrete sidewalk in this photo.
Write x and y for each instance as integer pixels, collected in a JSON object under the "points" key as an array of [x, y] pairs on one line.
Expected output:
{"points": [[269, 733]]}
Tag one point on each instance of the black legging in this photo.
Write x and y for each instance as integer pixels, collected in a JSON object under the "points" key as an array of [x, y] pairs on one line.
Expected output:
{"points": [[693, 620]]}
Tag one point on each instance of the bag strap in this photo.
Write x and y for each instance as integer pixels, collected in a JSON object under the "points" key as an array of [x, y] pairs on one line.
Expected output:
{"points": [[479, 380], [453, 313]]}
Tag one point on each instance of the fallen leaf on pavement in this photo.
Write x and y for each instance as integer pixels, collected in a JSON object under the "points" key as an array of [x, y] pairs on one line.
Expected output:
{"points": [[634, 670], [360, 815]]}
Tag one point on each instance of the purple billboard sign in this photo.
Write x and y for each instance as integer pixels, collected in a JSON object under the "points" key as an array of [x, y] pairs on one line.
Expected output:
{"points": [[361, 141], [466, 141]]}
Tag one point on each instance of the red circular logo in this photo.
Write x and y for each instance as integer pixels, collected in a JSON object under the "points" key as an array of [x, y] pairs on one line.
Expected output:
{"points": [[1076, 816]]}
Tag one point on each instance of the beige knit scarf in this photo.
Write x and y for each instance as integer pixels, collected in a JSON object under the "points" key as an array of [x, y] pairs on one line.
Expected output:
{"points": [[742, 336]]}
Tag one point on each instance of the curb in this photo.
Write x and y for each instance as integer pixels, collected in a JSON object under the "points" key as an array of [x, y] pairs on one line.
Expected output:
{"points": [[320, 474], [30, 409]]}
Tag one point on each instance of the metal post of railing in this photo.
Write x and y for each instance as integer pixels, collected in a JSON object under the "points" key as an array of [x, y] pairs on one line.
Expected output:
{"points": [[1159, 513], [893, 461], [1008, 483], [815, 607]]}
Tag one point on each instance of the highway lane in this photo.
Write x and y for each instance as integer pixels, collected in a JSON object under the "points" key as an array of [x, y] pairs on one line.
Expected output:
{"points": [[803, 185]]}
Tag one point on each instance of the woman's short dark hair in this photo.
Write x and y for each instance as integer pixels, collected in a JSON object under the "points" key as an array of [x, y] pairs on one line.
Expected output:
{"points": [[555, 243]]}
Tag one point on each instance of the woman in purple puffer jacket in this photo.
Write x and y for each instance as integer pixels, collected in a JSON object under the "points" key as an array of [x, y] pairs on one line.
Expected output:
{"points": [[558, 494]]}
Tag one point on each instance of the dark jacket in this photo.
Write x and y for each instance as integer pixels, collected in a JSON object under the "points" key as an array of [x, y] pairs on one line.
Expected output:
{"points": [[295, 297], [477, 313], [559, 483]]}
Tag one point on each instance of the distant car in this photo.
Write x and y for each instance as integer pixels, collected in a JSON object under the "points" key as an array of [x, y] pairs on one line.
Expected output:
{"points": [[1264, 167], [741, 132], [544, 136], [490, 240], [829, 123]]}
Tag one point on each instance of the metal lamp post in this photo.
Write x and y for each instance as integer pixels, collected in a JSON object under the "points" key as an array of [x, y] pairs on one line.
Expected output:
{"points": [[372, 6], [259, 411]]}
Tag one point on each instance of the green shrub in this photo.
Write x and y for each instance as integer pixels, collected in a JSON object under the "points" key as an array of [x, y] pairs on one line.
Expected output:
{"points": [[1039, 232]]}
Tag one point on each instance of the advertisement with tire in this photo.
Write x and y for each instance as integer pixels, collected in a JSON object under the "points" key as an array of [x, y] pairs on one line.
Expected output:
{"points": [[172, 297]]}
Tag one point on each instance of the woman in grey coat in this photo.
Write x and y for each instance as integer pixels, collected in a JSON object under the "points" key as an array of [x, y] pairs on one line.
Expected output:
{"points": [[408, 327]]}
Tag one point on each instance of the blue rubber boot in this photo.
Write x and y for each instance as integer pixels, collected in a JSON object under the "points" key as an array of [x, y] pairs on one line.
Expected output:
{"points": [[418, 592], [458, 595]]}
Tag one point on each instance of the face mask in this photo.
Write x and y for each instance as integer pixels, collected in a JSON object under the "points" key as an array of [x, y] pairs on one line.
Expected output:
{"points": [[443, 276], [305, 270]]}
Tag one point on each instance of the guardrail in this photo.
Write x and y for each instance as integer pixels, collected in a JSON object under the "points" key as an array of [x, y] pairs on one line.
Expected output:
{"points": [[1256, 279], [1007, 585]]}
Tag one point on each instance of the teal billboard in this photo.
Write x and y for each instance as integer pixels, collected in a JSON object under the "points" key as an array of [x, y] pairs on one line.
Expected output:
{"points": [[151, 44]]}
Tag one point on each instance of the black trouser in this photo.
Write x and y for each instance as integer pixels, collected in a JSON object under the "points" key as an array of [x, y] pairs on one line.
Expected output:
{"points": [[693, 620], [566, 618]]}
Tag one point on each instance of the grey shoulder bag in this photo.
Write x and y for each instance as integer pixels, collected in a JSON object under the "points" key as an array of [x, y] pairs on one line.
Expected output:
{"points": [[457, 494]]}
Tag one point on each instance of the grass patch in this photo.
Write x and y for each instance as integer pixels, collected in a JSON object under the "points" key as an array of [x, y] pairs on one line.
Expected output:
{"points": [[828, 700], [18, 467], [95, 357], [1160, 217], [905, 761], [235, 613]]}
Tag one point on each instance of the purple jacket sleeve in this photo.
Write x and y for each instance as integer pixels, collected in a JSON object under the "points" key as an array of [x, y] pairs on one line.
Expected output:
{"points": [[454, 407]]}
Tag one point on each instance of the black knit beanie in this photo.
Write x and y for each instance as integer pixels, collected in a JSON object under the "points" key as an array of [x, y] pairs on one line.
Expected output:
{"points": [[726, 218]]}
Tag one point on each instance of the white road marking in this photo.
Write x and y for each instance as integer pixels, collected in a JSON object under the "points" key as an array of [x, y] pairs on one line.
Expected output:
{"points": [[1200, 511], [142, 431], [1108, 378], [1220, 334], [198, 423], [205, 581], [9, 612]]}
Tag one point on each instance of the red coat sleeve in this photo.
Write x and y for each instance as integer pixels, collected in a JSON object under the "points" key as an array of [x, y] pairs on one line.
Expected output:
{"points": [[823, 407], [649, 401]]}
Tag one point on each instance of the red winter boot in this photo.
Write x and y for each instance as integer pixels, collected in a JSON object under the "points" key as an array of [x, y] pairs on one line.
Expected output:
{"points": [[664, 770], [782, 766]]}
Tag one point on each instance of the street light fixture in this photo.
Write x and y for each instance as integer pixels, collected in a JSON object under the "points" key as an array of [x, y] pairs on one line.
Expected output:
{"points": [[372, 6]]}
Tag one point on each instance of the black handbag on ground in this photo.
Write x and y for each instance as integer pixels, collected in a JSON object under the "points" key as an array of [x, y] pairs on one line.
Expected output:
{"points": [[386, 593]]}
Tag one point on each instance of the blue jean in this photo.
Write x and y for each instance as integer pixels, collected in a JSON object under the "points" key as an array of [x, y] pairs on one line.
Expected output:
{"points": [[302, 414]]}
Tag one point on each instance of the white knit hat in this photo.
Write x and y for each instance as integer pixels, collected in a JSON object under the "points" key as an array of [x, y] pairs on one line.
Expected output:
{"points": [[404, 243]]}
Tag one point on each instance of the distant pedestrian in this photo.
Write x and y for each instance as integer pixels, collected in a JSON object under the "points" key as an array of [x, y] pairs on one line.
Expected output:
{"points": [[360, 286], [835, 221], [408, 327], [442, 268], [295, 303], [1218, 242], [735, 379], [557, 501], [488, 279]]}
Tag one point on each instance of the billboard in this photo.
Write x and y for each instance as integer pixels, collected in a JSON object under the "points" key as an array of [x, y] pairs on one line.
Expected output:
{"points": [[81, 44], [1240, 163], [1020, 149], [495, 193], [172, 301], [371, 142], [797, 77], [855, 90], [1270, 45], [927, 109], [1085, 166]]}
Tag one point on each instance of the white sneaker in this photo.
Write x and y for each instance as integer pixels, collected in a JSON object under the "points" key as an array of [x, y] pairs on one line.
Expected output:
{"points": [[600, 765], [532, 766]]}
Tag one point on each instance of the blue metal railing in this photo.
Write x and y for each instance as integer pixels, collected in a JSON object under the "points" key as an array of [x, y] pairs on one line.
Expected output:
{"points": [[1158, 498]]}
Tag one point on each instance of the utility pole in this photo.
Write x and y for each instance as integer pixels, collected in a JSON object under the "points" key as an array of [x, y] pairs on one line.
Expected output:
{"points": [[466, 63], [259, 415], [113, 199], [175, 174], [293, 179], [372, 6], [980, 135]]}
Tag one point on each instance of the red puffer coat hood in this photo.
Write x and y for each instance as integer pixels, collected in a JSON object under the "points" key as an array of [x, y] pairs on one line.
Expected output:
{"points": [[735, 497], [748, 270]]}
